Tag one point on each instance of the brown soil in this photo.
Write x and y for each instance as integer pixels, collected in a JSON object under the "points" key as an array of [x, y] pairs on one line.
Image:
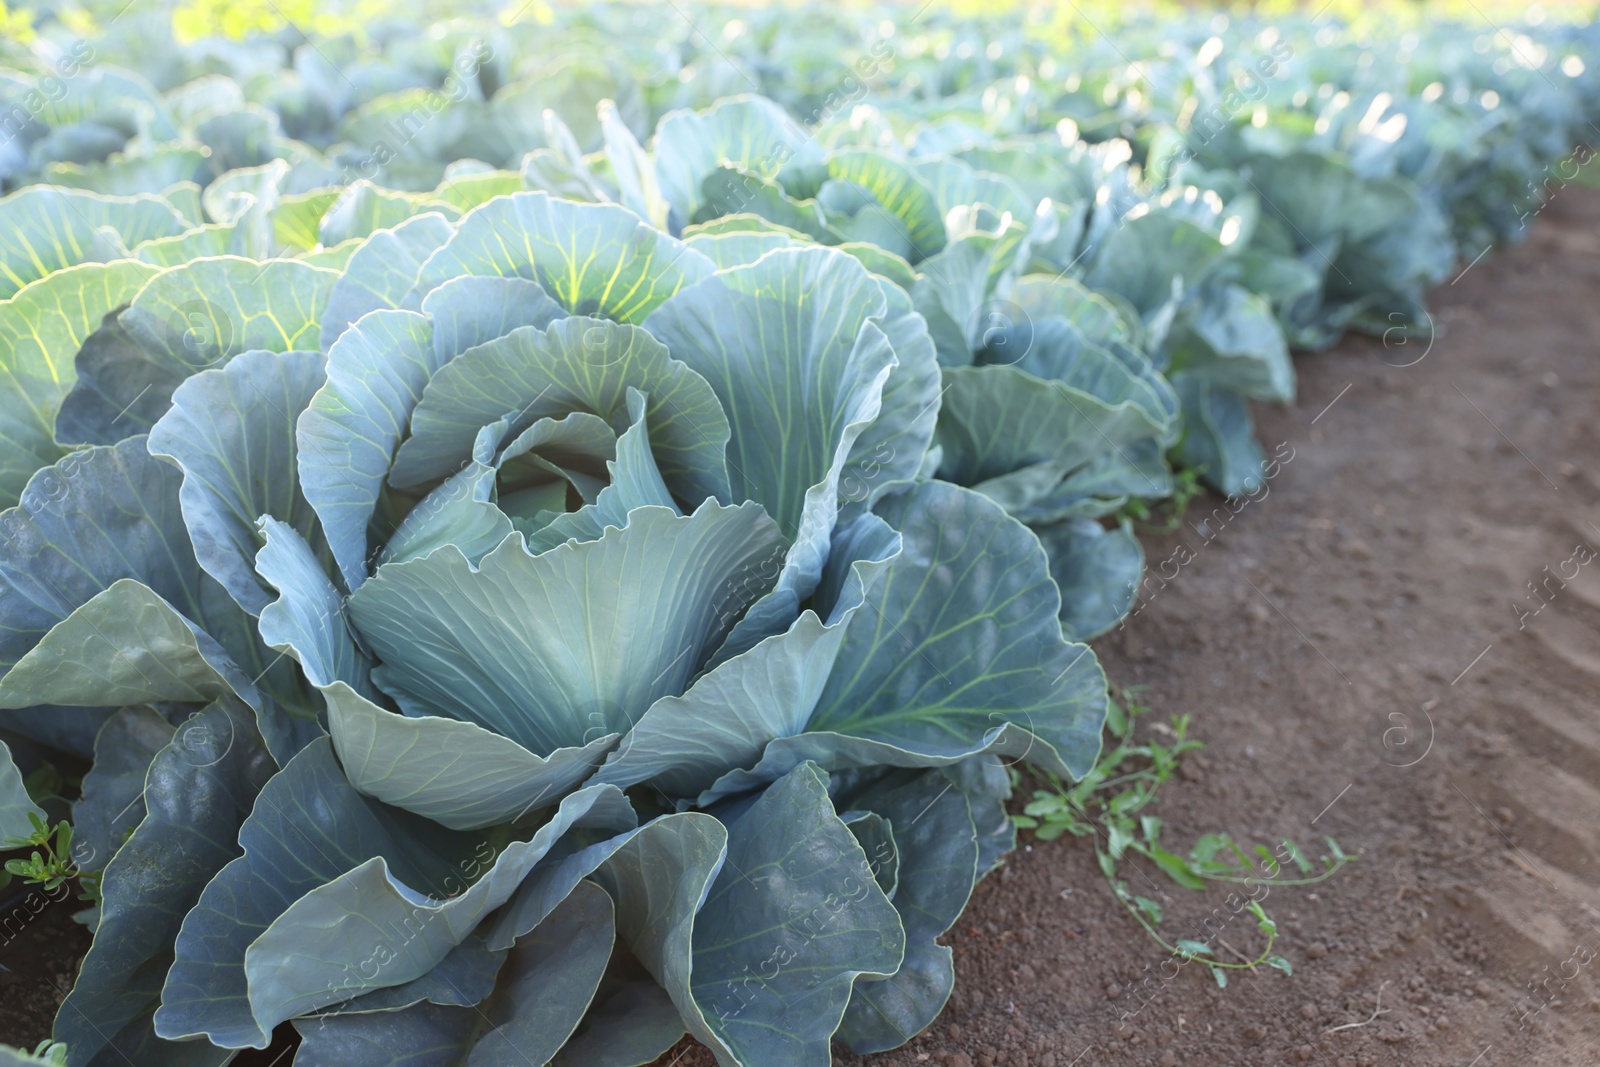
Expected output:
{"points": [[40, 946], [1349, 649]]}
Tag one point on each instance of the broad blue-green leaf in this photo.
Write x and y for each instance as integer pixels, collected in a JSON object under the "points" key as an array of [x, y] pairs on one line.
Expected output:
{"points": [[729, 190], [950, 292], [882, 262], [366, 208], [659, 877], [423, 1035], [1096, 315], [42, 326], [381, 273], [185, 197], [294, 220], [1400, 258], [15, 804], [307, 620], [310, 840], [456, 773], [682, 744], [212, 239], [936, 850], [1098, 571], [1038, 495], [635, 478], [953, 292], [964, 562], [120, 389], [959, 651], [199, 790], [957, 185], [792, 349], [463, 978], [1142, 258], [892, 449], [77, 142], [347, 435], [740, 248], [185, 320], [246, 200], [677, 844], [1056, 349], [430, 127], [563, 175], [112, 802], [80, 526], [469, 311], [631, 1020], [335, 258], [852, 212], [1219, 437], [1282, 279], [741, 223], [986, 782], [1311, 192], [111, 95], [633, 170], [208, 311], [594, 259], [1233, 342], [465, 189], [679, 855], [106, 521], [751, 132], [128, 175], [999, 422], [861, 547], [574, 364], [794, 916], [137, 1045], [245, 186], [294, 226], [302, 960], [876, 838], [43, 229], [544, 987], [125, 645], [72, 730], [946, 135], [232, 433], [918, 222], [556, 649]]}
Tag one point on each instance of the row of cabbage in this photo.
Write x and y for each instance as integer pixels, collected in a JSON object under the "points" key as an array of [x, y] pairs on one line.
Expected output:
{"points": [[1315, 181], [543, 558]]}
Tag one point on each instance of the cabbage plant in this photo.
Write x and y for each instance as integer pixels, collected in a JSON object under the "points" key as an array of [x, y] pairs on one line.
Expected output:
{"points": [[536, 641]]}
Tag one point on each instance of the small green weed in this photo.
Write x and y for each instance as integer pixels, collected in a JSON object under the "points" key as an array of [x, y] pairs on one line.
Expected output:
{"points": [[52, 867], [1109, 805], [1185, 487]]}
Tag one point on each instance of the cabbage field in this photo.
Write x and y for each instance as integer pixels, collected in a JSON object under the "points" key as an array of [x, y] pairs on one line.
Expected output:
{"points": [[530, 534]]}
